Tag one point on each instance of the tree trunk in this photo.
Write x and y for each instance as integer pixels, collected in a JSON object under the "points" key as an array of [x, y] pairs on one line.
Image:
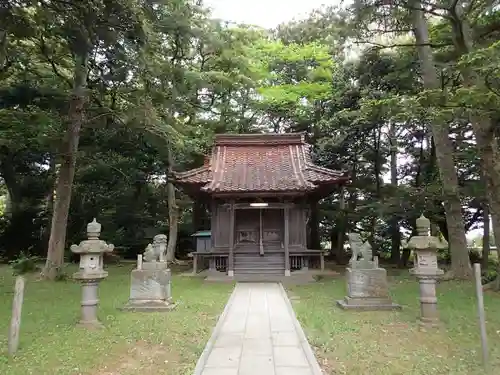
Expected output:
{"points": [[394, 221], [173, 210], [14, 199], [57, 240], [337, 235], [460, 263], [49, 200], [4, 63], [437, 214], [486, 237], [486, 142]]}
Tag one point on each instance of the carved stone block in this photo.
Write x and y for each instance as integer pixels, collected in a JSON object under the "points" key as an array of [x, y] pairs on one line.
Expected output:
{"points": [[367, 289], [154, 266], [150, 289]]}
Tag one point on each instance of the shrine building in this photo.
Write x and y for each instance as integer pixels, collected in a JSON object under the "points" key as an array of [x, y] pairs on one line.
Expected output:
{"points": [[258, 189]]}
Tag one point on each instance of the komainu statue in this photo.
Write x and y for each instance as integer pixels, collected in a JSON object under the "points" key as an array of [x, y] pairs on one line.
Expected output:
{"points": [[156, 251], [362, 255]]}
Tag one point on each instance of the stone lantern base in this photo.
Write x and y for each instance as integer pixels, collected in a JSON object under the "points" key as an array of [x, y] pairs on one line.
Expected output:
{"points": [[429, 315], [150, 288], [426, 323], [90, 299], [367, 291]]}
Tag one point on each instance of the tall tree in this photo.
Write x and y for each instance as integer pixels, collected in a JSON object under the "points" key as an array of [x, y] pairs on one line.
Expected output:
{"points": [[460, 264], [397, 18], [75, 33], [488, 148]]}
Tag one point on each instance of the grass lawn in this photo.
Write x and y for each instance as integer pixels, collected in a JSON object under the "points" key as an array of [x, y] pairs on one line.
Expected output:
{"points": [[132, 343], [389, 343]]}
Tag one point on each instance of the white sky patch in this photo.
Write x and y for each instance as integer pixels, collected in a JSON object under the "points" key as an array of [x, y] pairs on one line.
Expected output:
{"points": [[264, 13]]}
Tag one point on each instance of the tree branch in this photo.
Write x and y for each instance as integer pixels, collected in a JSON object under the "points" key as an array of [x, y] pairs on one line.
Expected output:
{"points": [[489, 85], [45, 53], [383, 46], [473, 219]]}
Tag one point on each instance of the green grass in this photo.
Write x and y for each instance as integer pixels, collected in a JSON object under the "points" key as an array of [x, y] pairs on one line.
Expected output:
{"points": [[375, 343], [131, 343], [389, 343]]}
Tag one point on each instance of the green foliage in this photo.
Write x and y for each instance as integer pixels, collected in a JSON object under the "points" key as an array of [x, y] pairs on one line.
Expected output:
{"points": [[292, 72], [164, 76], [154, 68], [25, 263], [489, 275]]}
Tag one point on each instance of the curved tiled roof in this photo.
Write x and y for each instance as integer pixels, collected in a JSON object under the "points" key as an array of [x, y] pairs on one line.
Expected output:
{"points": [[260, 163]]}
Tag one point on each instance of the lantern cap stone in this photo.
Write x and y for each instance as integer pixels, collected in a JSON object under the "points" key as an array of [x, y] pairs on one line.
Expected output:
{"points": [[160, 238], [94, 227], [423, 225]]}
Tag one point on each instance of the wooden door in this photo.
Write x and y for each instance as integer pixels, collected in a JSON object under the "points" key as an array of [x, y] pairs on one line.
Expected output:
{"points": [[247, 228], [272, 226]]}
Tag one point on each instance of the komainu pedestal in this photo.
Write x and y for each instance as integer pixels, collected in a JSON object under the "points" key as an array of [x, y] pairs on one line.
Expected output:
{"points": [[150, 288], [367, 287]]}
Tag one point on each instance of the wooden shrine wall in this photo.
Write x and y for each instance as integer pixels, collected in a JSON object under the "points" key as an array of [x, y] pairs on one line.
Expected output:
{"points": [[247, 225]]}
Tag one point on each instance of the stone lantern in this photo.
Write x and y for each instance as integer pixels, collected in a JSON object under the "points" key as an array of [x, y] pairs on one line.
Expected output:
{"points": [[426, 270], [91, 272]]}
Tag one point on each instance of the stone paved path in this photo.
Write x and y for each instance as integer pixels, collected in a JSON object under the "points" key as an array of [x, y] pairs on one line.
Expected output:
{"points": [[258, 334]]}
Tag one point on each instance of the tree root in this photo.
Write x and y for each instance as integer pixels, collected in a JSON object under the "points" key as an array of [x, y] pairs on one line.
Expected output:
{"points": [[492, 285], [54, 273], [451, 275], [180, 262]]}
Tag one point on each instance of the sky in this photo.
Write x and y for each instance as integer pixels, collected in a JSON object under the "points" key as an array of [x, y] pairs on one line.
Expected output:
{"points": [[264, 13]]}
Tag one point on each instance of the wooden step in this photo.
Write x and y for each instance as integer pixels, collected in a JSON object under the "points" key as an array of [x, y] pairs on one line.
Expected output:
{"points": [[256, 278], [256, 265], [259, 271], [263, 260], [257, 251], [259, 278], [257, 255], [258, 258], [259, 264]]}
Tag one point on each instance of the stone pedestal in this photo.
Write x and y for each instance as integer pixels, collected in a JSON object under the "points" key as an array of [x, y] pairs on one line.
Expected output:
{"points": [[367, 290], [89, 305], [150, 288], [427, 280], [429, 316]]}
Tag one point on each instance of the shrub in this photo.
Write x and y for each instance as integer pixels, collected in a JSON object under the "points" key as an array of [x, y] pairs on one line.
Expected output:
{"points": [[25, 263], [488, 276], [475, 256]]}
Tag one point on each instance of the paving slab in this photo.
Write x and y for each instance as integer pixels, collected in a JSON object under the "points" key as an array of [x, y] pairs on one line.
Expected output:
{"points": [[258, 333]]}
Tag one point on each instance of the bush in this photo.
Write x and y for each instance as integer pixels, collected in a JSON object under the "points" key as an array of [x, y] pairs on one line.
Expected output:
{"points": [[488, 276], [25, 263], [475, 256], [444, 256]]}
